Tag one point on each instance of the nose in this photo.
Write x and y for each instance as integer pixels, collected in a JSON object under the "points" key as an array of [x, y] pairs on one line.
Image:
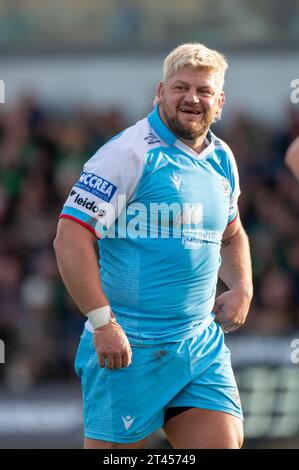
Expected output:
{"points": [[191, 96]]}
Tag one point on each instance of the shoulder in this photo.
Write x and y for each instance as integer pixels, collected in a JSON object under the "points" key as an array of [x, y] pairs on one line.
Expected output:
{"points": [[130, 141], [222, 148], [120, 162], [224, 155]]}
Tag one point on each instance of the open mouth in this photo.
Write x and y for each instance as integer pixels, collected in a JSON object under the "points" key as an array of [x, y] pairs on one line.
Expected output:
{"points": [[190, 111]]}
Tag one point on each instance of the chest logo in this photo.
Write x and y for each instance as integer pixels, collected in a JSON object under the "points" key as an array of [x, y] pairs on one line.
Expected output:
{"points": [[177, 181]]}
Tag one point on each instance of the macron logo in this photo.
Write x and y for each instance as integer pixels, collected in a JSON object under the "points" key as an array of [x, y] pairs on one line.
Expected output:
{"points": [[176, 181], [128, 421], [97, 186]]}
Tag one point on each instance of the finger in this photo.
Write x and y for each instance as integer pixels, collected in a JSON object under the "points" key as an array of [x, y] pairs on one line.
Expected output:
{"points": [[220, 317], [127, 359], [217, 305], [234, 328], [216, 309], [101, 360], [110, 362], [226, 326], [129, 351], [118, 361]]}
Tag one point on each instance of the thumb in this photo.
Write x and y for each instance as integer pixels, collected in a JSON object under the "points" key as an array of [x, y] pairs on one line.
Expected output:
{"points": [[217, 306]]}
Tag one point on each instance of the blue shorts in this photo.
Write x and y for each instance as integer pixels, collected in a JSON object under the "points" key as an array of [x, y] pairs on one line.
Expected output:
{"points": [[126, 405]]}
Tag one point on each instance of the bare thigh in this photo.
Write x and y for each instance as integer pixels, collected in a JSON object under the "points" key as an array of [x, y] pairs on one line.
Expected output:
{"points": [[97, 444], [198, 428]]}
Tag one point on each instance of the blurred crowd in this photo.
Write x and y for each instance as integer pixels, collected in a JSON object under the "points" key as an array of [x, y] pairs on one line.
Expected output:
{"points": [[41, 155], [128, 25]]}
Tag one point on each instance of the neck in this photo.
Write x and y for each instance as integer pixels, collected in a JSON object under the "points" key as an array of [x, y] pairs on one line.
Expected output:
{"points": [[198, 145]]}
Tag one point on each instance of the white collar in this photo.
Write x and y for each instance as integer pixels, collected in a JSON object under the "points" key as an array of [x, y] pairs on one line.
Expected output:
{"points": [[199, 156]]}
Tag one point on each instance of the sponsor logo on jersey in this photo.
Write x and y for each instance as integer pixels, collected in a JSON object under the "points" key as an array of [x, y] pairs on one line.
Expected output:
{"points": [[89, 205], [96, 185], [152, 139]]}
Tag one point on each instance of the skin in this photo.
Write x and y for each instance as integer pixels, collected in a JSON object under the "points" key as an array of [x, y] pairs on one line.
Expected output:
{"points": [[204, 429], [188, 89], [231, 307], [74, 243], [292, 158]]}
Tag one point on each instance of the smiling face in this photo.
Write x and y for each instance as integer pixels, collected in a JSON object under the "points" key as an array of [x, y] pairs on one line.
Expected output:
{"points": [[189, 102]]}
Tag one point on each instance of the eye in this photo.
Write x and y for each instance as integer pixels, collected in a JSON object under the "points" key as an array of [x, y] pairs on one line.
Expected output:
{"points": [[207, 92]]}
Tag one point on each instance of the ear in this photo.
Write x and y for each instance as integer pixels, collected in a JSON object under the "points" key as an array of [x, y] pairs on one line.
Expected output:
{"points": [[221, 100], [160, 91]]}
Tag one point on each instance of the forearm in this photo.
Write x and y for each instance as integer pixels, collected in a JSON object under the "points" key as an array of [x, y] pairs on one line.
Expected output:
{"points": [[293, 164], [292, 158], [235, 270], [78, 266]]}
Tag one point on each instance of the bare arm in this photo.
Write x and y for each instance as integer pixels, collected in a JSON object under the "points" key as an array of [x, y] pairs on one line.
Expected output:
{"points": [[292, 158], [77, 259], [235, 270], [232, 307]]}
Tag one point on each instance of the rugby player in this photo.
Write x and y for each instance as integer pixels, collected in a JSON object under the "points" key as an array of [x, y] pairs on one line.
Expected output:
{"points": [[157, 209]]}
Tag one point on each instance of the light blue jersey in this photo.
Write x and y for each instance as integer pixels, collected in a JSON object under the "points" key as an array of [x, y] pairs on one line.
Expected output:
{"points": [[159, 210]]}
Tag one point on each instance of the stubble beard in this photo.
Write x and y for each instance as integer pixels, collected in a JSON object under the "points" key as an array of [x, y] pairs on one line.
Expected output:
{"points": [[191, 132]]}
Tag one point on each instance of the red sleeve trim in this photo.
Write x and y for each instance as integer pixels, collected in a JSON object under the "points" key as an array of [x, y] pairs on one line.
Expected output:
{"points": [[234, 219], [91, 229]]}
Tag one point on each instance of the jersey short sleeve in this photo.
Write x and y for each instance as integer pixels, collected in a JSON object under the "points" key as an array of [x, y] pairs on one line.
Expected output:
{"points": [[233, 177], [104, 187]]}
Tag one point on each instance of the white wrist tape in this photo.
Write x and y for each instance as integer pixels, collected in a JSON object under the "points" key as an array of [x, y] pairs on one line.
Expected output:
{"points": [[99, 316]]}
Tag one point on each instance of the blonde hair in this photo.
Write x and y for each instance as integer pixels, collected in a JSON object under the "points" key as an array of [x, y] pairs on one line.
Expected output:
{"points": [[196, 56]]}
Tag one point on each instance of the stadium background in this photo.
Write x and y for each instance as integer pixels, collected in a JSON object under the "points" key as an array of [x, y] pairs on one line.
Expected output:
{"points": [[75, 73]]}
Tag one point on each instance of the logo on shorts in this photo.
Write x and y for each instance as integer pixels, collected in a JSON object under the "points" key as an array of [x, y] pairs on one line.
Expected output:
{"points": [[128, 421]]}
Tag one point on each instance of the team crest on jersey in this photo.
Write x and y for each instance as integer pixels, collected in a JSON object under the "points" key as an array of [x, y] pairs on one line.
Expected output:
{"points": [[226, 187], [152, 139], [96, 185], [190, 214]]}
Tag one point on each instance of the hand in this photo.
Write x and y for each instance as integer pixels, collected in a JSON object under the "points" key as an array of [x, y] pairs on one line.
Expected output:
{"points": [[112, 343], [231, 309]]}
